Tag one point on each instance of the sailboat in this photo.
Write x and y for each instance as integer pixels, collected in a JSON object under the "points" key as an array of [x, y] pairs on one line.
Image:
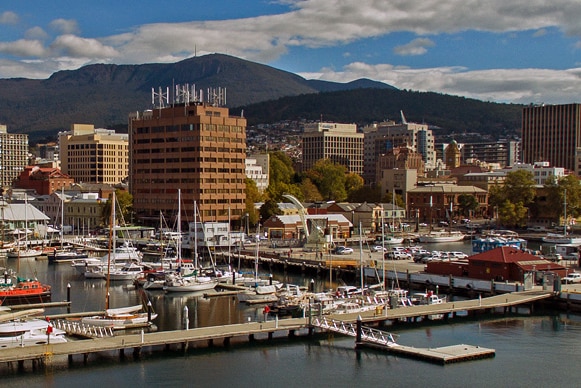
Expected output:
{"points": [[565, 238], [178, 282], [27, 251], [65, 254], [392, 239], [121, 317], [440, 236]]}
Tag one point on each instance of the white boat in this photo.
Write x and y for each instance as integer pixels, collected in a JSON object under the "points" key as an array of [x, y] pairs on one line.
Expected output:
{"points": [[191, 283], [32, 332], [556, 238], [123, 317], [120, 318], [266, 293], [441, 236], [176, 282], [128, 272]]}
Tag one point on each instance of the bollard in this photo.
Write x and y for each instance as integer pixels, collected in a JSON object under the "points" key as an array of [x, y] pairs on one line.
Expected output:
{"points": [[270, 280], [69, 297], [312, 287], [186, 318], [149, 310], [359, 330]]}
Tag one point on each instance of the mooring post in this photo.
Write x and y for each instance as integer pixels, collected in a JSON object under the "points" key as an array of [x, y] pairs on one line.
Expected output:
{"points": [[270, 280], [186, 318], [149, 310], [359, 330], [233, 277], [69, 297], [312, 287]]}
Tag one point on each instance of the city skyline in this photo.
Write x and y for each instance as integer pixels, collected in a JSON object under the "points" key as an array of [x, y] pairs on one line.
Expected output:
{"points": [[525, 52]]}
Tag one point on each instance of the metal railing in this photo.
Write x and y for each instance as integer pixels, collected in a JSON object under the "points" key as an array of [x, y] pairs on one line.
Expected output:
{"points": [[82, 329], [368, 334]]}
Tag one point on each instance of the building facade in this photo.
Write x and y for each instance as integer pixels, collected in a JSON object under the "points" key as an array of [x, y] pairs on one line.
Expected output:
{"points": [[340, 143], [382, 138], [13, 156], [552, 133], [197, 148], [504, 152], [43, 180], [94, 155], [257, 170]]}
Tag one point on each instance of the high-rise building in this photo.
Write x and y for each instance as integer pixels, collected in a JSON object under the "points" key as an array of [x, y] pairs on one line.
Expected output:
{"points": [[195, 147], [506, 153], [552, 133], [91, 155], [381, 138], [340, 143], [13, 156]]}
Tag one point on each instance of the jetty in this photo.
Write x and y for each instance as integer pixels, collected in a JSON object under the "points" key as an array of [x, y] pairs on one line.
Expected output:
{"points": [[105, 342], [370, 337]]}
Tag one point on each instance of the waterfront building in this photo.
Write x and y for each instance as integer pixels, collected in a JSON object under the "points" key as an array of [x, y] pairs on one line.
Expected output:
{"points": [[279, 227], [94, 155], [383, 137], [505, 153], [500, 264], [80, 213], [552, 133], [440, 202], [340, 143], [398, 181], [194, 146], [13, 156]]}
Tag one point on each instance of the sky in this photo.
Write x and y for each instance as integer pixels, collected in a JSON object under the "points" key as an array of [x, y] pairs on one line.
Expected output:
{"points": [[517, 51]]}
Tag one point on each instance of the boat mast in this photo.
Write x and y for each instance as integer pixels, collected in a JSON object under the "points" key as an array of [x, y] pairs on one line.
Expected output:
{"points": [[565, 213], [111, 250], [196, 236], [62, 215], [361, 258], [383, 248], [179, 228]]}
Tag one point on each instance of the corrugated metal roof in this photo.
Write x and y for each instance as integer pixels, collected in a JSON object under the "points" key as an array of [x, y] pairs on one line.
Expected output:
{"points": [[21, 212]]}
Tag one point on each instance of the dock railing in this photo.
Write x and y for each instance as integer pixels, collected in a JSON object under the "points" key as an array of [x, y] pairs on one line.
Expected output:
{"points": [[82, 329], [368, 334]]}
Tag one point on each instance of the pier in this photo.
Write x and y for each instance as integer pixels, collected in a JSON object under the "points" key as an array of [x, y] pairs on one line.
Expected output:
{"points": [[210, 335]]}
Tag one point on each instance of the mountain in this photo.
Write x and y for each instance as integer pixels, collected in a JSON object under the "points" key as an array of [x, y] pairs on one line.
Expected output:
{"points": [[105, 94]]}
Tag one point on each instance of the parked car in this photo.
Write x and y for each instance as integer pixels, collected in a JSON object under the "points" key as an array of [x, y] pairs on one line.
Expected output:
{"points": [[342, 250], [573, 277], [398, 255]]}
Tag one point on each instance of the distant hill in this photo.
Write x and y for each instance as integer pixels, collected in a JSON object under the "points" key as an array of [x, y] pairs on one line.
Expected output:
{"points": [[444, 113], [105, 94]]}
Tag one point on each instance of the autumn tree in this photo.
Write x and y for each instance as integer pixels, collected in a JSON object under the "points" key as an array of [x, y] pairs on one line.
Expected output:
{"points": [[330, 178], [467, 204], [513, 198]]}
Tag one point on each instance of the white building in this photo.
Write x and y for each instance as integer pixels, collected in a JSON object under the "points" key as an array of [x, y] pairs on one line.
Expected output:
{"points": [[257, 170], [540, 170]]}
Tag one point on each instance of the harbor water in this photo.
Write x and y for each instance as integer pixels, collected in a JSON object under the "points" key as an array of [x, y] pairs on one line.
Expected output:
{"points": [[538, 350]]}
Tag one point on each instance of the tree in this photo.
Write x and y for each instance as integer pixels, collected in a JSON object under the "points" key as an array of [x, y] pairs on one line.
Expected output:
{"points": [[269, 208], [513, 198], [353, 183], [310, 191], [467, 204], [330, 179], [123, 210], [366, 194], [252, 196]]}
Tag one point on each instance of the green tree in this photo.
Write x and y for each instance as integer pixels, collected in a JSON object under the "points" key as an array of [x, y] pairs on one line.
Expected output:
{"points": [[123, 209], [330, 178], [513, 198], [310, 191], [252, 196], [467, 203], [365, 194], [558, 192], [269, 208], [353, 183]]}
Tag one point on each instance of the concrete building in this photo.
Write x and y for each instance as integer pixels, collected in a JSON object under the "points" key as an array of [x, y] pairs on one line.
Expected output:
{"points": [[94, 155], [79, 213], [552, 133], [383, 137], [504, 152], [341, 143], [257, 167], [541, 171], [196, 147], [13, 156]]}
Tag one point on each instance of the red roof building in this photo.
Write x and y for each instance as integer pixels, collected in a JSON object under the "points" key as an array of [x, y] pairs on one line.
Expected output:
{"points": [[503, 263], [44, 180]]}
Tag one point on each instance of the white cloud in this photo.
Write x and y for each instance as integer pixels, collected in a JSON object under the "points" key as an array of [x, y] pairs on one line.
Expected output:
{"points": [[23, 48], [9, 17], [500, 85], [415, 47], [36, 33], [74, 46], [65, 26]]}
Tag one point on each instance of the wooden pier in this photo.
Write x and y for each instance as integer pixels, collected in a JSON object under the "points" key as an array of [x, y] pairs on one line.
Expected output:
{"points": [[370, 337], [182, 338]]}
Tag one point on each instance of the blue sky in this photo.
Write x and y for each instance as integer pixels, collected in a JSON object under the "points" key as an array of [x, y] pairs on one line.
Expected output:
{"points": [[522, 51]]}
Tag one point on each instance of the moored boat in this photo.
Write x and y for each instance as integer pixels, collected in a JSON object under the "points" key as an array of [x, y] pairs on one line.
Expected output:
{"points": [[441, 236], [25, 291], [24, 333]]}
